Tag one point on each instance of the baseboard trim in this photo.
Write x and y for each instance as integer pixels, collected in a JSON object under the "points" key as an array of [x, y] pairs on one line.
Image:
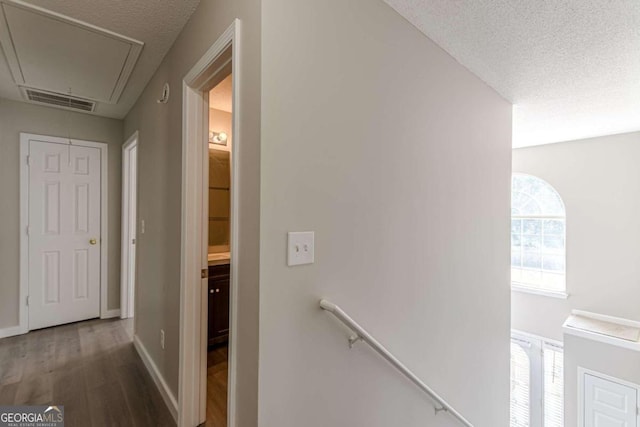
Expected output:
{"points": [[11, 331], [110, 314], [163, 387]]}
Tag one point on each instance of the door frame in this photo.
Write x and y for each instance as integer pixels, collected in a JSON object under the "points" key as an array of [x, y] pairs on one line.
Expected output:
{"points": [[580, 393], [192, 385], [126, 288], [23, 326]]}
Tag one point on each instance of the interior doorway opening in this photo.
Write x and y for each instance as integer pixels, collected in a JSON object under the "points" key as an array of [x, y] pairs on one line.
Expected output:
{"points": [[129, 226], [214, 67], [218, 236]]}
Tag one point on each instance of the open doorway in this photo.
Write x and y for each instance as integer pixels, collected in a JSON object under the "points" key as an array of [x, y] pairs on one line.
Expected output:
{"points": [[129, 223], [218, 250], [208, 284]]}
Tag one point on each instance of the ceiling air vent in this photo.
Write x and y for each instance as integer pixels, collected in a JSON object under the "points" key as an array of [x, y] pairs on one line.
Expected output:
{"points": [[58, 100]]}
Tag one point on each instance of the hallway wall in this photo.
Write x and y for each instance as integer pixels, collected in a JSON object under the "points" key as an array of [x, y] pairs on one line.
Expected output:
{"points": [[159, 195], [399, 159]]}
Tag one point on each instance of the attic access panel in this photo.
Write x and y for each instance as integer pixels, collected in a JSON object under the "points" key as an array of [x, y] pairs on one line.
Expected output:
{"points": [[53, 52]]}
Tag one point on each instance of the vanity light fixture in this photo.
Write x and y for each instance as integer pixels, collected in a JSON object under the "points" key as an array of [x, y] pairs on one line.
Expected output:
{"points": [[219, 138]]}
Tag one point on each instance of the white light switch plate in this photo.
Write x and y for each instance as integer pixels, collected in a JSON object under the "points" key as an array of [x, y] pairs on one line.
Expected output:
{"points": [[300, 248]]}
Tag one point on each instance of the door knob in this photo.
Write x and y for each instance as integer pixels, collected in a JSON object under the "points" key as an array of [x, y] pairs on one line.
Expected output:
{"points": [[93, 241]]}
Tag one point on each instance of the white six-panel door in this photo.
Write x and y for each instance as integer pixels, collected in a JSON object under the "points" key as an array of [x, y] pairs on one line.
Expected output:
{"points": [[63, 233], [608, 403]]}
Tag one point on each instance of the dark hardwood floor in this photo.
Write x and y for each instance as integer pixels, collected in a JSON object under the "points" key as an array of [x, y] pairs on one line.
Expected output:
{"points": [[89, 367], [217, 369]]}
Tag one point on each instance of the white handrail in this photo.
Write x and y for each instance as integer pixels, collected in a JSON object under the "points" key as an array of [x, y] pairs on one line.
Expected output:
{"points": [[362, 335]]}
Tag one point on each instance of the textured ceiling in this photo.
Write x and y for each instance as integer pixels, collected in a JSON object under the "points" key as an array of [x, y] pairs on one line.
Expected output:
{"points": [[156, 23], [220, 95], [571, 67]]}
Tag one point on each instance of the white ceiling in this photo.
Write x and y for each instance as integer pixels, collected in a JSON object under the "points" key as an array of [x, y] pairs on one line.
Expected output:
{"points": [[571, 67], [220, 95], [155, 23]]}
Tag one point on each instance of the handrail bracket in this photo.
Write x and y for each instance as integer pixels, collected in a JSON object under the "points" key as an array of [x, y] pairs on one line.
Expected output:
{"points": [[353, 340]]}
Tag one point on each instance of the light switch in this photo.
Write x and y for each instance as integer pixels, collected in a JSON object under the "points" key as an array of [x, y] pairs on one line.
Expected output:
{"points": [[300, 248]]}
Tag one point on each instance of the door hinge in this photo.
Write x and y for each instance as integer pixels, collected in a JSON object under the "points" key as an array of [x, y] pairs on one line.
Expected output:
{"points": [[28, 230], [28, 160], [133, 241], [27, 300], [204, 273]]}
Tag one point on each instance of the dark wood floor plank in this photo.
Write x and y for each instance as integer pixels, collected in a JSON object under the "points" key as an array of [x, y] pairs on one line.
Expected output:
{"points": [[217, 383], [98, 371], [12, 359], [35, 390], [39, 353], [8, 394], [141, 393], [91, 368], [70, 391], [108, 407], [67, 354]]}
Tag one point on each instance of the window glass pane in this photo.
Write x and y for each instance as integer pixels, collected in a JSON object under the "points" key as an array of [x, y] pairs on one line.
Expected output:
{"points": [[531, 208], [531, 226], [525, 188], [553, 242], [532, 260], [554, 227], [516, 241], [516, 225], [518, 202], [520, 387], [553, 263], [516, 259], [553, 387], [532, 243]]}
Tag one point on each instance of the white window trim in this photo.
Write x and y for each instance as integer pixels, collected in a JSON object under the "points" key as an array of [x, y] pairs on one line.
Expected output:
{"points": [[520, 287]]}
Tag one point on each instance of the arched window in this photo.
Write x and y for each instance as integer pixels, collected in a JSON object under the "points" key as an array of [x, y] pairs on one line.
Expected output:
{"points": [[538, 224]]}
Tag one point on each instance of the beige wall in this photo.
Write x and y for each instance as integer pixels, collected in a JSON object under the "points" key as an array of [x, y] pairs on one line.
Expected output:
{"points": [[599, 181], [16, 117], [159, 195], [603, 358], [400, 160]]}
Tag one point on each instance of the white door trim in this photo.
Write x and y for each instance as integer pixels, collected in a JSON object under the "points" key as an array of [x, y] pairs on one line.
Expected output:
{"points": [[125, 290], [193, 296], [23, 326], [581, 373]]}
